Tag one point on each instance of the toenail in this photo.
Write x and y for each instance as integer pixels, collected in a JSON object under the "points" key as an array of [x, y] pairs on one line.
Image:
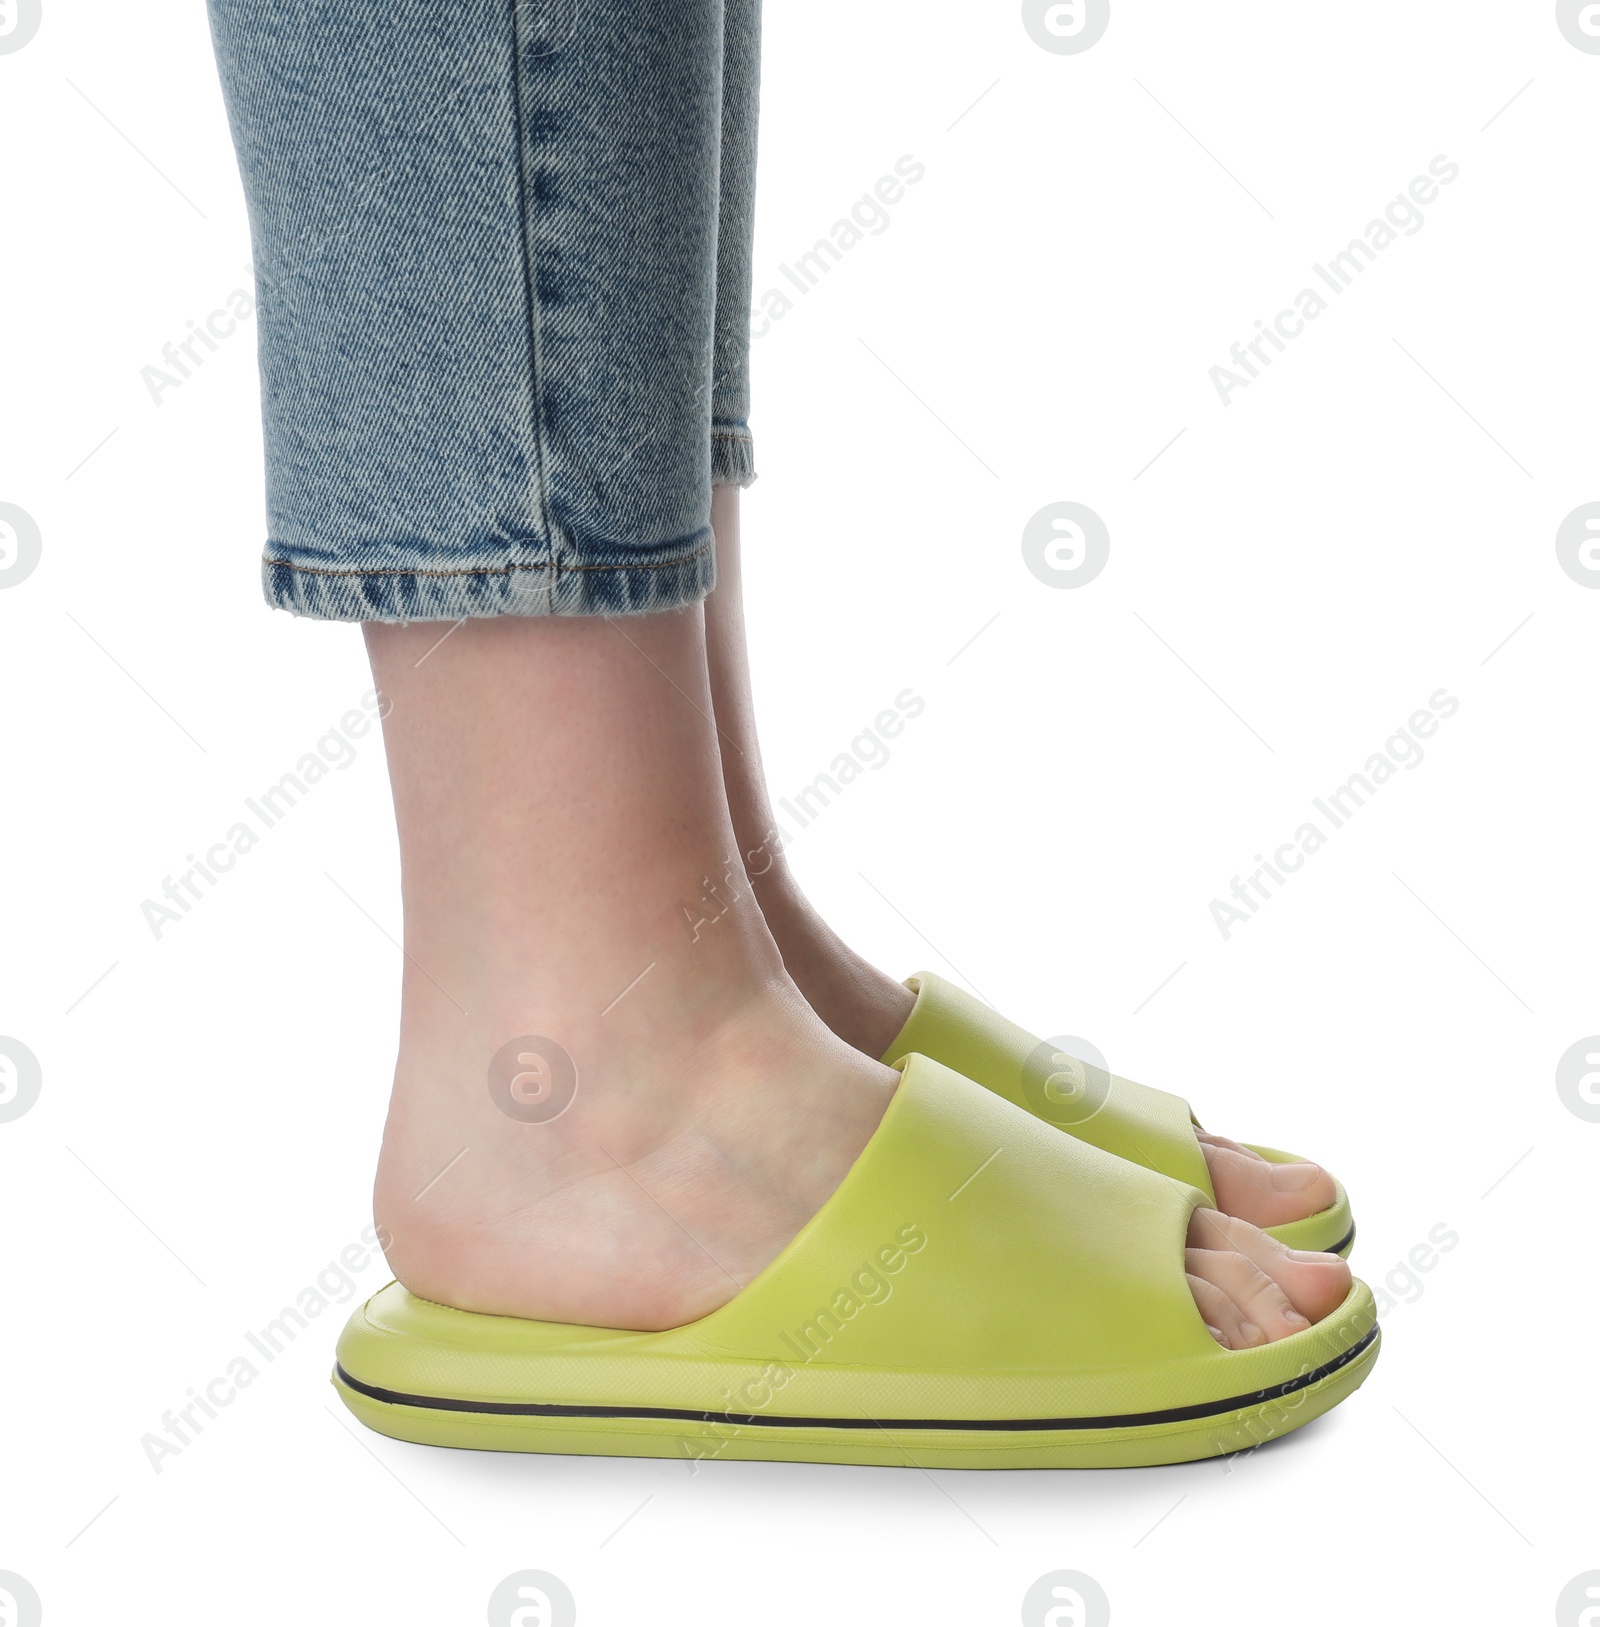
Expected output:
{"points": [[1252, 1334], [1296, 1320], [1216, 1333], [1294, 1177]]}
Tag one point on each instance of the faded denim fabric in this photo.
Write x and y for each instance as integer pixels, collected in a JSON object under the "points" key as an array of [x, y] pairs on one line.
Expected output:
{"points": [[503, 266]]}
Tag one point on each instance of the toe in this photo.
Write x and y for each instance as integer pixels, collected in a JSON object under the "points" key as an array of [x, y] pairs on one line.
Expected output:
{"points": [[1265, 1311], [1222, 1318], [1206, 1139], [1265, 1194], [1315, 1285]]}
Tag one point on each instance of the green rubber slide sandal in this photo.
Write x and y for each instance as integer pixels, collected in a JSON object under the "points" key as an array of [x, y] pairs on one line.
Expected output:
{"points": [[980, 1292], [1147, 1126]]}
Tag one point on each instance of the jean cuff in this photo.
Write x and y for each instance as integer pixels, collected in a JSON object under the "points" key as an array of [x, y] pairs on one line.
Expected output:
{"points": [[534, 589], [733, 456]]}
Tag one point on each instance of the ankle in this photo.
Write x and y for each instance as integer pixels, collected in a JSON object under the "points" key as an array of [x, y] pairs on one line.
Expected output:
{"points": [[673, 1173], [864, 1006]]}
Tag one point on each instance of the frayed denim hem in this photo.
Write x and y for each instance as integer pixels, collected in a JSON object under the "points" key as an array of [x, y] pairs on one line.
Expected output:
{"points": [[733, 458], [397, 595]]}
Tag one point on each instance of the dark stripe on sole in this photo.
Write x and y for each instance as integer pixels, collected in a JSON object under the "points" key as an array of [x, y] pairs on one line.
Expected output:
{"points": [[552, 1409]]}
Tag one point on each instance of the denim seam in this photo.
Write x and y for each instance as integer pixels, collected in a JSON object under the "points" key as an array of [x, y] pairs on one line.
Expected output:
{"points": [[494, 570], [530, 290], [731, 435]]}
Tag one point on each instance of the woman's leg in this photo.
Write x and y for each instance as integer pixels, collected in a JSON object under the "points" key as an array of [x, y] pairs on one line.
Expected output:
{"points": [[612, 1106], [569, 877], [860, 1003], [498, 356]]}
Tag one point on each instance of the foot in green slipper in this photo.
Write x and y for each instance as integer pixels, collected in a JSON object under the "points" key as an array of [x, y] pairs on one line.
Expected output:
{"points": [[692, 1152], [978, 1292], [1297, 1200], [599, 1117]]}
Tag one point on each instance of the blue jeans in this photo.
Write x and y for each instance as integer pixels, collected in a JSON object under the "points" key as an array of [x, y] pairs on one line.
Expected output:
{"points": [[502, 253]]}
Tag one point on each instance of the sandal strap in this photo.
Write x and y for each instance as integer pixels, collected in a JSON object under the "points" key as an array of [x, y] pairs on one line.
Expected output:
{"points": [[1134, 1121]]}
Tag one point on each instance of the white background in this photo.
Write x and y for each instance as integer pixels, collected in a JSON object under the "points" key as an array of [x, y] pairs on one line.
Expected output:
{"points": [[1288, 581]]}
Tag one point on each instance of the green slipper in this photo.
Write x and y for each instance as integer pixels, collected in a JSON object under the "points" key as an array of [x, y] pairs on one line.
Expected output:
{"points": [[980, 1292], [1135, 1122]]}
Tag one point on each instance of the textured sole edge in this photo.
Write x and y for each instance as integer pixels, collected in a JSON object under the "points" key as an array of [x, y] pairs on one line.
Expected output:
{"points": [[696, 1439]]}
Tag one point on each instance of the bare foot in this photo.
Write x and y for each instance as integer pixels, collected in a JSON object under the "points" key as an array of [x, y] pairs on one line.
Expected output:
{"points": [[692, 1151], [612, 1105], [678, 1173]]}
